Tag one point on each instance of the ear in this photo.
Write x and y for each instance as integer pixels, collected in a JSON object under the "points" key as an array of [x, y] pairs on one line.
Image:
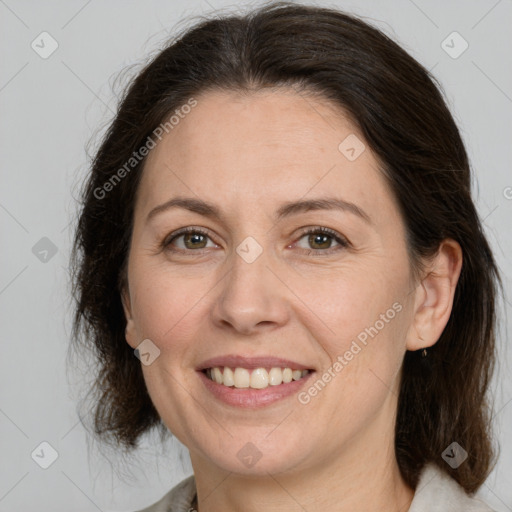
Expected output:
{"points": [[130, 331], [434, 296]]}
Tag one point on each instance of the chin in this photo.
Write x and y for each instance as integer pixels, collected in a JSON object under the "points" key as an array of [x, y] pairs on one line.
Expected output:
{"points": [[255, 455]]}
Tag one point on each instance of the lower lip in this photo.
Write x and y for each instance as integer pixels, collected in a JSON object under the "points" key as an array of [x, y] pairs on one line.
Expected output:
{"points": [[253, 398]]}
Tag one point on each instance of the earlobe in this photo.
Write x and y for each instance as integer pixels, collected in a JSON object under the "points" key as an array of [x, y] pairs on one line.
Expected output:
{"points": [[434, 296]]}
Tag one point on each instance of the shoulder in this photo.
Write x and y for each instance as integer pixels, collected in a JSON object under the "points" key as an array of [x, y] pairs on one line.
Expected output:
{"points": [[178, 499], [437, 491]]}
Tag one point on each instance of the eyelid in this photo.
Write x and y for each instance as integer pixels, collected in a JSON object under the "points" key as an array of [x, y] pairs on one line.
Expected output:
{"points": [[342, 241], [183, 231]]}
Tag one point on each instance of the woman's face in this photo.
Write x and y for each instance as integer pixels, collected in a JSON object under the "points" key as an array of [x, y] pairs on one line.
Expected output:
{"points": [[247, 289]]}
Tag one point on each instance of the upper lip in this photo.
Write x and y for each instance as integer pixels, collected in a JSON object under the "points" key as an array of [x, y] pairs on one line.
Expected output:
{"points": [[236, 361]]}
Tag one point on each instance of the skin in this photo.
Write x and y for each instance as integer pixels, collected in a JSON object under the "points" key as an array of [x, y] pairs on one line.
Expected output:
{"points": [[248, 154]]}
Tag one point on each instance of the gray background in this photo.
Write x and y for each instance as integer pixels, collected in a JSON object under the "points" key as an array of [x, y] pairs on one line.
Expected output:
{"points": [[51, 107]]}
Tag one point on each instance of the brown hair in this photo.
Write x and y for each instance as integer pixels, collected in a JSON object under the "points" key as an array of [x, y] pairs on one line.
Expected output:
{"points": [[402, 115]]}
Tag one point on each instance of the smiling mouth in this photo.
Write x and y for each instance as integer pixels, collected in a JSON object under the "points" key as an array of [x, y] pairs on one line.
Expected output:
{"points": [[257, 378]]}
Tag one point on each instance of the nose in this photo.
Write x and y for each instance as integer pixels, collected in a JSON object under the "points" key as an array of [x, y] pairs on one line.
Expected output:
{"points": [[253, 297]]}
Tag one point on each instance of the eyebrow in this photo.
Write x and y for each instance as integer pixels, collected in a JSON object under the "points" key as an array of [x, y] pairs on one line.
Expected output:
{"points": [[285, 210]]}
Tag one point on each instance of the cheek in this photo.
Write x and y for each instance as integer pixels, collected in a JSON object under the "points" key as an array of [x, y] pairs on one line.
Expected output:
{"points": [[164, 302], [362, 320], [354, 305]]}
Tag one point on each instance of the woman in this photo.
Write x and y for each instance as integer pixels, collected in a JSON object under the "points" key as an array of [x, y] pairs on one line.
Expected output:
{"points": [[279, 226]]}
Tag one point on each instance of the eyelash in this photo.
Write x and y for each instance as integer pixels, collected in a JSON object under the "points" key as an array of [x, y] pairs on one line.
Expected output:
{"points": [[343, 242]]}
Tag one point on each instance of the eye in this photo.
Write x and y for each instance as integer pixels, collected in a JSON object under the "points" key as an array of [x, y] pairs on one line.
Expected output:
{"points": [[320, 239], [192, 239]]}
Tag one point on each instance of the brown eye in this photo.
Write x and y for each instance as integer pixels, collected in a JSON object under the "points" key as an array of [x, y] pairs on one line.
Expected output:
{"points": [[194, 240], [320, 241], [189, 239]]}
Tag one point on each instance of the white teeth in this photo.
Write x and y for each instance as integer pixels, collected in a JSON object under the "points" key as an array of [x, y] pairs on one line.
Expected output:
{"points": [[259, 378], [229, 378], [242, 378], [217, 375], [275, 376]]}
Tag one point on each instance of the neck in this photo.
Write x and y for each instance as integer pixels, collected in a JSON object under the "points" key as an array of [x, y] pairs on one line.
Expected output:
{"points": [[361, 478]]}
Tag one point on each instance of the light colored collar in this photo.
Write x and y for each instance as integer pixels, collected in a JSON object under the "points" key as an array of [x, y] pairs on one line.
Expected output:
{"points": [[436, 490]]}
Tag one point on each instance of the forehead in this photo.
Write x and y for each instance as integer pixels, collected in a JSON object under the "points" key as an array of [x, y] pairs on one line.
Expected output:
{"points": [[268, 145]]}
